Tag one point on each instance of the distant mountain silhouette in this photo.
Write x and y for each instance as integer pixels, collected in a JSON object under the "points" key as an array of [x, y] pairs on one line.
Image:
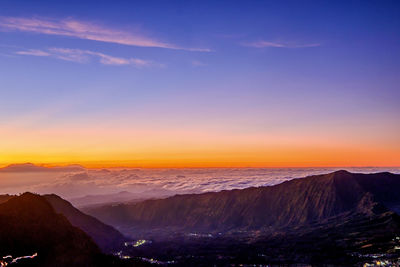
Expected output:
{"points": [[105, 236], [30, 167], [293, 203]]}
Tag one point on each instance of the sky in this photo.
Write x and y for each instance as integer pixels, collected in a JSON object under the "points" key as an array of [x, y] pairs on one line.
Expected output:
{"points": [[200, 83]]}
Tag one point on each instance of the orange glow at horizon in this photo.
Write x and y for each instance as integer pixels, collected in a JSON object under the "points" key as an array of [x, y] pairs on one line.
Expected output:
{"points": [[105, 147], [268, 158]]}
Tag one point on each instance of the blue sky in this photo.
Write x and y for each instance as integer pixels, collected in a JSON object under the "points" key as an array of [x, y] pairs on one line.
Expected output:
{"points": [[328, 70]]}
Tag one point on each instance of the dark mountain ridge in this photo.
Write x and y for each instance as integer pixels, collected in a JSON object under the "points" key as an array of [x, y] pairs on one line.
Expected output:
{"points": [[105, 236], [341, 218], [36, 230], [29, 224], [4, 198], [293, 203]]}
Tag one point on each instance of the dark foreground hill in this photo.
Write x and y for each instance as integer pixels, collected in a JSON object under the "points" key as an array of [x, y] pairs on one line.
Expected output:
{"points": [[29, 224], [105, 236], [342, 218], [38, 225]]}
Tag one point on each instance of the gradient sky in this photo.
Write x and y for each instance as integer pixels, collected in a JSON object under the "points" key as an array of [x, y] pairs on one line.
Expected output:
{"points": [[200, 83]]}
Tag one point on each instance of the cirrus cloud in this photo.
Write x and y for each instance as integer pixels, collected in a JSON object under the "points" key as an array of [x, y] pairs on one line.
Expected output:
{"points": [[264, 44], [86, 30], [84, 56]]}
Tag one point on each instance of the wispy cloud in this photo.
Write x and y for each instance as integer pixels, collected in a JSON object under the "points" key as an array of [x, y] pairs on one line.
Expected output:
{"points": [[83, 56], [264, 44], [85, 30], [34, 52]]}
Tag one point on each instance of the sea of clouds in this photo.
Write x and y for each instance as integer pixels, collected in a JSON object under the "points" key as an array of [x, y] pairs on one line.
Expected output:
{"points": [[148, 183]]}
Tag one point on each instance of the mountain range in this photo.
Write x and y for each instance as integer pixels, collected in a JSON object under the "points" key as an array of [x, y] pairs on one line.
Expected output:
{"points": [[339, 218], [290, 204]]}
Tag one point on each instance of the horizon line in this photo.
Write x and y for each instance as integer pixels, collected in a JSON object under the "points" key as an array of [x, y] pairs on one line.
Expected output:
{"points": [[192, 166]]}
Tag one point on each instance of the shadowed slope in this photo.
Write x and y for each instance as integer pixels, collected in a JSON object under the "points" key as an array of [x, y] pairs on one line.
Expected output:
{"points": [[297, 202], [5, 198], [105, 236]]}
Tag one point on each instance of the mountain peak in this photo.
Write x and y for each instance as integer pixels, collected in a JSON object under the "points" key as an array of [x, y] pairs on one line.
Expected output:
{"points": [[28, 203], [341, 172]]}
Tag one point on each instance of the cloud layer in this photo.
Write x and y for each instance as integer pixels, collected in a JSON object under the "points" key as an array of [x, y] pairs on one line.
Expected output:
{"points": [[84, 56], [85, 30], [145, 183], [264, 44]]}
